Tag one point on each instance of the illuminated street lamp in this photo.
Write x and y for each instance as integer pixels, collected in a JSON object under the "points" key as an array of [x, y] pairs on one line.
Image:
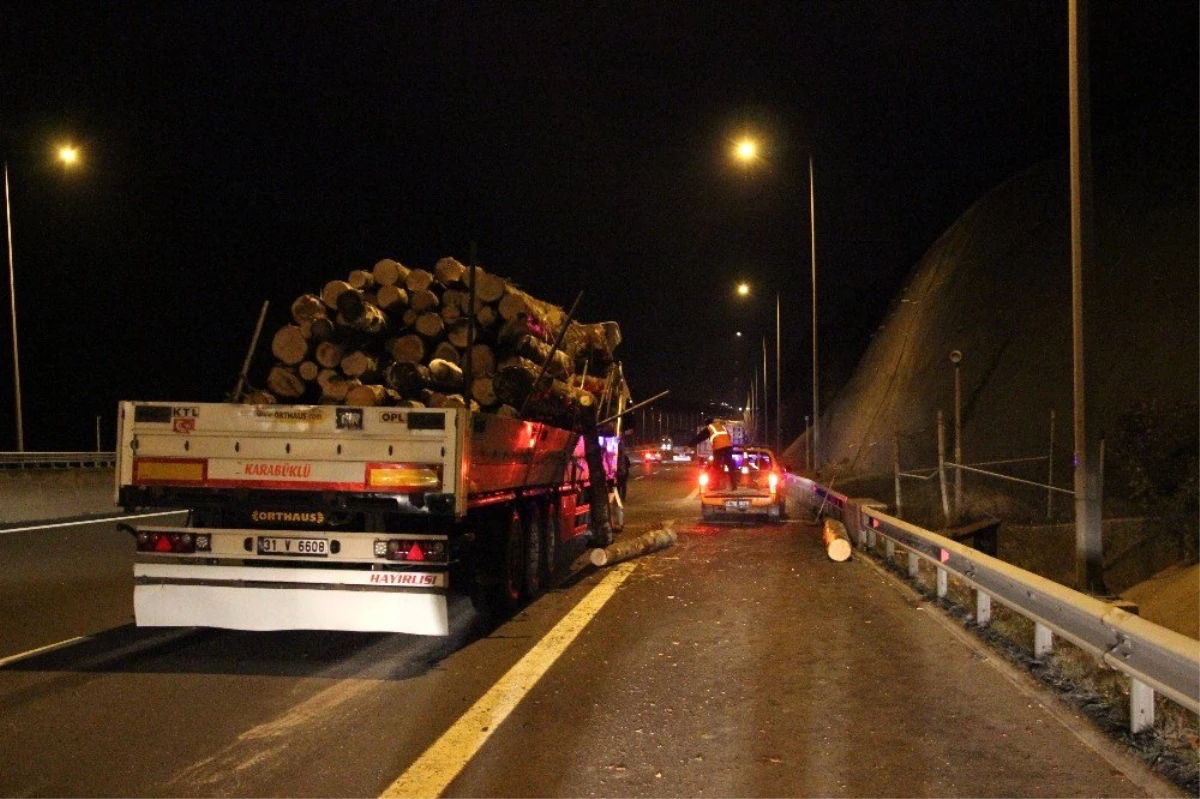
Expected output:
{"points": [[745, 150], [743, 290], [69, 155]]}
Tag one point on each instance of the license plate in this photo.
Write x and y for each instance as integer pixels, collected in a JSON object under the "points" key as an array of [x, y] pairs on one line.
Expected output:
{"points": [[317, 547], [737, 504]]}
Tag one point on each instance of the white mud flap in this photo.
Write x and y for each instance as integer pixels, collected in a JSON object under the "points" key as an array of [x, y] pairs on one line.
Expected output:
{"points": [[261, 599]]}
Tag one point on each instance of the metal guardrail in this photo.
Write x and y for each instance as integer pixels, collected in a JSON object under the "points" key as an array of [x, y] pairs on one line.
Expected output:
{"points": [[1154, 658], [11, 461]]}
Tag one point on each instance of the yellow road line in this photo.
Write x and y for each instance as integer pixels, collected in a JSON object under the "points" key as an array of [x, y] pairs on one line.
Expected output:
{"points": [[429, 774]]}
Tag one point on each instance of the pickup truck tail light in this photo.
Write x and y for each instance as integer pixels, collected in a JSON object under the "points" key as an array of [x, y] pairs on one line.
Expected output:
{"points": [[703, 481], [773, 480]]}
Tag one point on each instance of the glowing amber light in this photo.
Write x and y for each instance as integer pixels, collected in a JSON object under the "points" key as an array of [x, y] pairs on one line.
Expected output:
{"points": [[746, 150], [68, 155]]}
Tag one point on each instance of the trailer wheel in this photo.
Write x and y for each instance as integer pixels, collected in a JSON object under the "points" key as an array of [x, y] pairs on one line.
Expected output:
{"points": [[532, 549], [499, 594], [551, 530]]}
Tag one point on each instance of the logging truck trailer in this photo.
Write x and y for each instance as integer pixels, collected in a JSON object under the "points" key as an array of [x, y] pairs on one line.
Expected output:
{"points": [[349, 518]]}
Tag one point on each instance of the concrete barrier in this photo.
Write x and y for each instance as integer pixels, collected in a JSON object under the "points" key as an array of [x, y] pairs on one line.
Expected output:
{"points": [[42, 494]]}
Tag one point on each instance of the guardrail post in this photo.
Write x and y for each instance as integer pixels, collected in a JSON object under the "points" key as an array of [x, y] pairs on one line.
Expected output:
{"points": [[871, 536], [983, 608], [914, 565], [890, 546], [942, 583], [1141, 706], [1043, 640]]}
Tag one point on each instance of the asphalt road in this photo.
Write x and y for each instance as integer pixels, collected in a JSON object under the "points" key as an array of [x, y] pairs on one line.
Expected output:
{"points": [[740, 662]]}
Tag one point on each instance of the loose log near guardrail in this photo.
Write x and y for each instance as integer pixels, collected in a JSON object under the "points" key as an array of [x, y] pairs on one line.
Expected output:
{"points": [[837, 541]]}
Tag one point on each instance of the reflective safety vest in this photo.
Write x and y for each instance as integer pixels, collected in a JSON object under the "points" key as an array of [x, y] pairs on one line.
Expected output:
{"points": [[719, 436]]}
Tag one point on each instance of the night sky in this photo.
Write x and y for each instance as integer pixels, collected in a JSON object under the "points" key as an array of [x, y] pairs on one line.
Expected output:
{"points": [[241, 152]]}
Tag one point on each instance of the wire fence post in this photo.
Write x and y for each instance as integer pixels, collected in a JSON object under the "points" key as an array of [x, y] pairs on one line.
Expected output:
{"points": [[1050, 472], [896, 470], [941, 446]]}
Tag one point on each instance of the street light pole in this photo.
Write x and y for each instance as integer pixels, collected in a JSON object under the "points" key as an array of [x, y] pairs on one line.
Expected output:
{"points": [[816, 401], [1089, 542], [778, 384], [12, 290], [766, 393]]}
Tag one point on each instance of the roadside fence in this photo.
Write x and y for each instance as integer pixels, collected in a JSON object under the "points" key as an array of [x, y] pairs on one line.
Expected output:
{"points": [[14, 461]]}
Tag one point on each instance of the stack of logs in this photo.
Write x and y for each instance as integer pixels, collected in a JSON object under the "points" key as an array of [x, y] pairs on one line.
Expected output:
{"points": [[402, 337]]}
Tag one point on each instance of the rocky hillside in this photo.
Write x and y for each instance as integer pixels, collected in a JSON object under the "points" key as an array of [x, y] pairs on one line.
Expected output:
{"points": [[997, 287]]}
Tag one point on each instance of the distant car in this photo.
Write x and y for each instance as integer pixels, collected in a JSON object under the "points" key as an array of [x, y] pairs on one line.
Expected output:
{"points": [[681, 455], [759, 490], [652, 456]]}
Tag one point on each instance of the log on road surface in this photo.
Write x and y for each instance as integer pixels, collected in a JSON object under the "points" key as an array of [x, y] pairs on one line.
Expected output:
{"points": [[837, 541], [624, 550]]}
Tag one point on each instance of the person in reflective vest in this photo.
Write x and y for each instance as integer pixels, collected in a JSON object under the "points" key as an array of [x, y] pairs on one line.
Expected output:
{"points": [[722, 448]]}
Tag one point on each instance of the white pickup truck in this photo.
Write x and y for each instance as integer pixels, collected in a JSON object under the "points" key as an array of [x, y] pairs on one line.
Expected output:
{"points": [[349, 518]]}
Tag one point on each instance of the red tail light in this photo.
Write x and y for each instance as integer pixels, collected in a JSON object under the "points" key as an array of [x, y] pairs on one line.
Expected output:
{"points": [[411, 551], [774, 481], [166, 542]]}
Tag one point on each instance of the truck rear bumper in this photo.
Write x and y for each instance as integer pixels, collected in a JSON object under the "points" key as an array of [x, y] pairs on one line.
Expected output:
{"points": [[261, 599]]}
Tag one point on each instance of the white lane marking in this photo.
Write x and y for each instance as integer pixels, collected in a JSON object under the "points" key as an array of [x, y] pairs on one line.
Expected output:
{"points": [[441, 762], [98, 520], [43, 649], [694, 495]]}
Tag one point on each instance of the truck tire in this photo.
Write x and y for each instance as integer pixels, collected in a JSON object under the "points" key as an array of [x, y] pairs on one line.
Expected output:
{"points": [[497, 593], [532, 549], [550, 532]]}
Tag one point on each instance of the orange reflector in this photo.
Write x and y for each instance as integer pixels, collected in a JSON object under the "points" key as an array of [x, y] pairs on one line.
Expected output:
{"points": [[169, 470], [404, 476]]}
